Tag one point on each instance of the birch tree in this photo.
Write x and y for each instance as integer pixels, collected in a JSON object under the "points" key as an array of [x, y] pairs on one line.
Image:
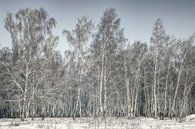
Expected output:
{"points": [[158, 42], [134, 57], [28, 29], [184, 68], [107, 39], [78, 40]]}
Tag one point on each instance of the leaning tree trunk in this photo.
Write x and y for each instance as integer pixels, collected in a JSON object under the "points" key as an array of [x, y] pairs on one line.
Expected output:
{"points": [[176, 92]]}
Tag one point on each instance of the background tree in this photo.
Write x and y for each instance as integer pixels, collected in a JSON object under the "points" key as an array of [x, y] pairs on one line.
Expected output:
{"points": [[78, 40], [107, 40], [158, 46], [101, 74], [29, 30]]}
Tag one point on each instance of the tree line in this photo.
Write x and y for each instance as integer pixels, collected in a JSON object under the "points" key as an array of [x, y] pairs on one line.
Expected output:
{"points": [[102, 74]]}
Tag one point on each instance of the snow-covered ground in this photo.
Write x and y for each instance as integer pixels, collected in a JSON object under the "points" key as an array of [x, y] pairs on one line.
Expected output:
{"points": [[89, 123]]}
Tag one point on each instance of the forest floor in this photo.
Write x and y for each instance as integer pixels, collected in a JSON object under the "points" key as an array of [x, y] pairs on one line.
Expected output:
{"points": [[89, 123]]}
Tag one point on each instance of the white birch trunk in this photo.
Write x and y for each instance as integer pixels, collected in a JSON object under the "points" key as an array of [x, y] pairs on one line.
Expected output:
{"points": [[166, 88], [154, 87], [176, 91], [127, 89]]}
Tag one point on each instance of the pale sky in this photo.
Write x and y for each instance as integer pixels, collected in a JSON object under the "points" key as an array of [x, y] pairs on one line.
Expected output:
{"points": [[137, 16]]}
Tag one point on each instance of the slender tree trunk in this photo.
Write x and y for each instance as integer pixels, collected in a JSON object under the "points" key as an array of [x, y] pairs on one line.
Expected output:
{"points": [[128, 98], [24, 104], [137, 85], [33, 99], [154, 88], [102, 72], [78, 104], [185, 96], [105, 92], [33, 108], [127, 89], [166, 88], [101, 87], [176, 91]]}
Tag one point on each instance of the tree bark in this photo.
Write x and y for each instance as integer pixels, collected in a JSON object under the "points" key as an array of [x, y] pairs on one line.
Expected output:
{"points": [[127, 89], [154, 88], [176, 91], [166, 88]]}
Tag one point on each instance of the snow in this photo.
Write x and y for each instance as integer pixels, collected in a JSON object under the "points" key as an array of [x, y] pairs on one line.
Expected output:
{"points": [[89, 123], [190, 118]]}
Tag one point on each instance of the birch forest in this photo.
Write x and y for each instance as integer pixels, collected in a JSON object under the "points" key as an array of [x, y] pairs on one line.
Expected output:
{"points": [[102, 73]]}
